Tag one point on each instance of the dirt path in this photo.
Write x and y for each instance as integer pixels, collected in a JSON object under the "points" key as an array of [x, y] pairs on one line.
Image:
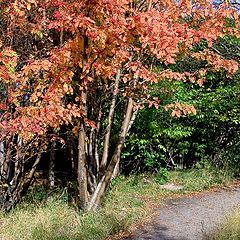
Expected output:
{"points": [[190, 218]]}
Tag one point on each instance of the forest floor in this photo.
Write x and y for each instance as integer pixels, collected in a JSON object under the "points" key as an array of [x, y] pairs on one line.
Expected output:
{"points": [[173, 210], [191, 217]]}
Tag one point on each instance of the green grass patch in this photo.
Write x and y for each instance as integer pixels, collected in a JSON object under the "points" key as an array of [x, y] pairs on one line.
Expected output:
{"points": [[201, 178], [230, 230]]}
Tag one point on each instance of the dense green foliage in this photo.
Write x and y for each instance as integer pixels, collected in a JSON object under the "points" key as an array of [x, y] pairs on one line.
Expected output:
{"points": [[159, 140]]}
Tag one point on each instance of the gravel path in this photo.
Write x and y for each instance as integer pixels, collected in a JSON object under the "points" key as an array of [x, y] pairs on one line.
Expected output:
{"points": [[190, 218]]}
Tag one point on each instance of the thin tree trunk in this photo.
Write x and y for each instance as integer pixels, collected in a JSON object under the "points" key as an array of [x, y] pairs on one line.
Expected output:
{"points": [[116, 171], [27, 181], [96, 139], [70, 152], [82, 170], [19, 184], [4, 174], [12, 159], [19, 164], [134, 115], [51, 174], [82, 167], [2, 158], [108, 129], [92, 163], [105, 180], [149, 5], [1, 153]]}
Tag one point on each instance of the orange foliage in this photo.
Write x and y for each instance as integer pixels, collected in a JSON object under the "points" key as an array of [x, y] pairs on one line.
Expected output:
{"points": [[79, 45]]}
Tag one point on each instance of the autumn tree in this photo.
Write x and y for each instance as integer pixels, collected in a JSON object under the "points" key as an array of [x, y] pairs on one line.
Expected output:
{"points": [[74, 64]]}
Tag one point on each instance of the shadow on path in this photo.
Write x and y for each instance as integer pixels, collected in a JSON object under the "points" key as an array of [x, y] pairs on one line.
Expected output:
{"points": [[157, 232], [189, 218]]}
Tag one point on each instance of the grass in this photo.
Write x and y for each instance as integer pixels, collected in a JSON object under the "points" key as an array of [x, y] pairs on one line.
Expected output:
{"points": [[201, 178], [54, 219], [129, 201], [230, 230]]}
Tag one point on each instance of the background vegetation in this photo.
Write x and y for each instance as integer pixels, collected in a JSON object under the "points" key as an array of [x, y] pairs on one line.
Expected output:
{"points": [[210, 136]]}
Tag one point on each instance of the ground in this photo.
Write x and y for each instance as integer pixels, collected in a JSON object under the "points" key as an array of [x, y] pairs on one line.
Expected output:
{"points": [[189, 218]]}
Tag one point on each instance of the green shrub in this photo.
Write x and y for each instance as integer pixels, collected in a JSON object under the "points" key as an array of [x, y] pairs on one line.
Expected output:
{"points": [[162, 176]]}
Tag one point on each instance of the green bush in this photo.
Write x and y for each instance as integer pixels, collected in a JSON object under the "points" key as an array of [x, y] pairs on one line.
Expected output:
{"points": [[162, 176]]}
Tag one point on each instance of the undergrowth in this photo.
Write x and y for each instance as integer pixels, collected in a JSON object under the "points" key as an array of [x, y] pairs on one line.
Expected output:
{"points": [[128, 201], [54, 219], [202, 177]]}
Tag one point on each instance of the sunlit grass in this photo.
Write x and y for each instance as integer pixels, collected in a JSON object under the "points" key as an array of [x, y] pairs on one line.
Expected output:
{"points": [[54, 219], [201, 178], [129, 201]]}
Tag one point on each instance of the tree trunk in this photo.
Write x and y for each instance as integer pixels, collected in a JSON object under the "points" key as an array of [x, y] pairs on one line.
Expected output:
{"points": [[149, 5], [30, 175], [82, 162], [4, 173], [2, 160], [1, 154], [96, 142], [92, 163], [70, 152], [82, 170], [106, 178], [116, 171], [17, 185], [108, 129], [51, 174]]}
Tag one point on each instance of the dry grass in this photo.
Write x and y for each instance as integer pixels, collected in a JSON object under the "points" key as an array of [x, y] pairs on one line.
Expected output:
{"points": [[128, 202], [230, 230], [56, 220]]}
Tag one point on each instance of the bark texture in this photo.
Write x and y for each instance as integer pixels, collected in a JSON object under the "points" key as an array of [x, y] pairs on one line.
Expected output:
{"points": [[82, 162], [106, 178]]}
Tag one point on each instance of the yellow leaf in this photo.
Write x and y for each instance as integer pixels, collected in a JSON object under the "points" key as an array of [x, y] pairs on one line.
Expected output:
{"points": [[28, 6], [65, 87]]}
